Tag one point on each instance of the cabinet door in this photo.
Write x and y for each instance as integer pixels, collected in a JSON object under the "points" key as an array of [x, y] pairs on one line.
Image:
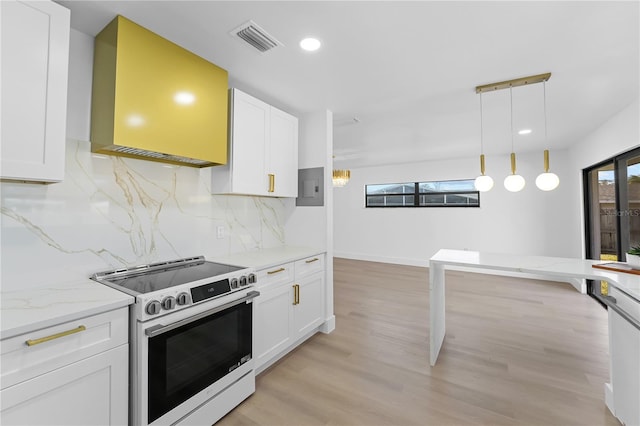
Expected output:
{"points": [[250, 130], [35, 57], [283, 153], [92, 391], [624, 348], [309, 311], [272, 322]]}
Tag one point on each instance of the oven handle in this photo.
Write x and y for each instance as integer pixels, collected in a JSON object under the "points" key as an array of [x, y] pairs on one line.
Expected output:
{"points": [[159, 329]]}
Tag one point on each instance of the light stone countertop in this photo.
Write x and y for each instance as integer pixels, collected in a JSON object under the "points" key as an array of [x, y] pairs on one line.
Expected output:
{"points": [[27, 310], [266, 258], [541, 265], [24, 311]]}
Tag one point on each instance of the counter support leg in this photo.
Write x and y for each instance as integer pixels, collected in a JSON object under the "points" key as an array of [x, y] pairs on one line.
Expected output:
{"points": [[436, 310]]}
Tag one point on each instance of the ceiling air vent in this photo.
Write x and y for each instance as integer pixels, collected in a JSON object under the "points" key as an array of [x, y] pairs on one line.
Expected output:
{"points": [[256, 36]]}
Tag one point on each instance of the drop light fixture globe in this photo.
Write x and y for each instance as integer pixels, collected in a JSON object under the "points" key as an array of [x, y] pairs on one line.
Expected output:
{"points": [[513, 182], [483, 183], [546, 181]]}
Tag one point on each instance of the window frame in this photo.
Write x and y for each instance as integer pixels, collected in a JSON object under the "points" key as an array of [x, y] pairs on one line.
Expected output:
{"points": [[417, 194]]}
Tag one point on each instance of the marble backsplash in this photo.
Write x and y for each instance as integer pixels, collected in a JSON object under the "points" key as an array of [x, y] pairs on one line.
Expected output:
{"points": [[112, 211]]}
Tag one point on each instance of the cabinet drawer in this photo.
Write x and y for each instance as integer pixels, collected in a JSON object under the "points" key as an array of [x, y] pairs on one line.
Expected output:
{"points": [[626, 303], [309, 265], [32, 354], [275, 275]]}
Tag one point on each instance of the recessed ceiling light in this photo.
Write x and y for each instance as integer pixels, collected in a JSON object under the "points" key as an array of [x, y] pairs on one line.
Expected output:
{"points": [[524, 132], [310, 44]]}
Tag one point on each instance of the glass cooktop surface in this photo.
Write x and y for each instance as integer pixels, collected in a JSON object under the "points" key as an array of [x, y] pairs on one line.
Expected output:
{"points": [[147, 281]]}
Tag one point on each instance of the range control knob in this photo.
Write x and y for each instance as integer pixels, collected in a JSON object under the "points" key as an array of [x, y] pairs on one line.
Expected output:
{"points": [[153, 307], [169, 302], [252, 278], [183, 299], [243, 281], [234, 283]]}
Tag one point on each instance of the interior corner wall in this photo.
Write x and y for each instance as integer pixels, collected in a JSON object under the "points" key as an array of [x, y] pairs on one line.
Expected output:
{"points": [[306, 224], [528, 222], [312, 226]]}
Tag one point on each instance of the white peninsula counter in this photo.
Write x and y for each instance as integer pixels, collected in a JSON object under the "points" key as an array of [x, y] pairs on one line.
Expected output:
{"points": [[622, 395]]}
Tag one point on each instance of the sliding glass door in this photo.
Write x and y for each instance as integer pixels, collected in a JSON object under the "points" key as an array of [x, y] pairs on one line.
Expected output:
{"points": [[612, 210]]}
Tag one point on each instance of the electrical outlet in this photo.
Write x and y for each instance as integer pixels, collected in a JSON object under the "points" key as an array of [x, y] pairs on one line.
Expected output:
{"points": [[220, 232]]}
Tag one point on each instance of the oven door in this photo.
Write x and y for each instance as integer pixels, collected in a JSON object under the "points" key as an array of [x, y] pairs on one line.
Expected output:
{"points": [[189, 357]]}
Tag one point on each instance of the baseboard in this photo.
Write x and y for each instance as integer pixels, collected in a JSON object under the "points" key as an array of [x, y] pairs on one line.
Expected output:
{"points": [[329, 325], [383, 259]]}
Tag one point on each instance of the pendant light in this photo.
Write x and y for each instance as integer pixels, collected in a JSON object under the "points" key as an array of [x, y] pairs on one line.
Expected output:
{"points": [[341, 177], [483, 183], [546, 181], [513, 182]]}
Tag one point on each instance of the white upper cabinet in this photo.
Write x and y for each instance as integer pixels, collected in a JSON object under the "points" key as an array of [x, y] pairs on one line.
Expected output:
{"points": [[35, 60], [283, 153], [263, 151]]}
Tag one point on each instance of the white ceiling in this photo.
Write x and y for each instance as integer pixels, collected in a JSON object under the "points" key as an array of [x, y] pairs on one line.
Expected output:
{"points": [[408, 70]]}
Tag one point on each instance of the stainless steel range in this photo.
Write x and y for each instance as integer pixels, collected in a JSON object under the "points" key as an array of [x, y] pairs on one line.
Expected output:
{"points": [[191, 339]]}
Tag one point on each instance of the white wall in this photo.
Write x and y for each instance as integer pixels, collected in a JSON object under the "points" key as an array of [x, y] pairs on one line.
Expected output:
{"points": [[523, 223], [529, 222]]}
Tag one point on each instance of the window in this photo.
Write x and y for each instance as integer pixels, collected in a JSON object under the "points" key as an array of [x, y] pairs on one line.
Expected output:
{"points": [[445, 193], [612, 211]]}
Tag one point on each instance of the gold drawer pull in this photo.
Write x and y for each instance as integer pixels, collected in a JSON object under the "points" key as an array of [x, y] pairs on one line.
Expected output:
{"points": [[315, 259], [33, 342], [272, 182], [296, 294], [276, 271]]}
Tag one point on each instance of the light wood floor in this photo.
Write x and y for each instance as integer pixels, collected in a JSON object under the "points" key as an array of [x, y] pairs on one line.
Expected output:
{"points": [[517, 352]]}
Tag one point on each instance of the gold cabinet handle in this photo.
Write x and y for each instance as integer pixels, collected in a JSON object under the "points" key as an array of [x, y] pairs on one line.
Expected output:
{"points": [[315, 259], [275, 272], [296, 294], [272, 182], [33, 342]]}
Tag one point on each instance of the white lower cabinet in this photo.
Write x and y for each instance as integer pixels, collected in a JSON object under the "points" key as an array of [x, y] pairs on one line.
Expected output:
{"points": [[289, 309], [624, 349], [87, 392], [75, 373], [308, 310], [273, 323]]}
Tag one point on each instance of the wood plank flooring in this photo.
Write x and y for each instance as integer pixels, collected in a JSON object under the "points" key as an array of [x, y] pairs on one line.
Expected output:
{"points": [[517, 352]]}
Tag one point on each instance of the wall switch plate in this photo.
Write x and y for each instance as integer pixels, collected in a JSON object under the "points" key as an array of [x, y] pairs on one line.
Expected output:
{"points": [[220, 232]]}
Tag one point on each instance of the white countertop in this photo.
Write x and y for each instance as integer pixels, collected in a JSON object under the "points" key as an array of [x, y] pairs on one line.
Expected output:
{"points": [[32, 309], [266, 258], [23, 311], [541, 265]]}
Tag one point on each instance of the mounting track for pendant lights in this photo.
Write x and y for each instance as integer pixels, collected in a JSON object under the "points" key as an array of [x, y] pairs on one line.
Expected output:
{"points": [[516, 82]]}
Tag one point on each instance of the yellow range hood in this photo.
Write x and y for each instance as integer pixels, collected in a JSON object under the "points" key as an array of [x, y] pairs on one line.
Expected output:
{"points": [[154, 100]]}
